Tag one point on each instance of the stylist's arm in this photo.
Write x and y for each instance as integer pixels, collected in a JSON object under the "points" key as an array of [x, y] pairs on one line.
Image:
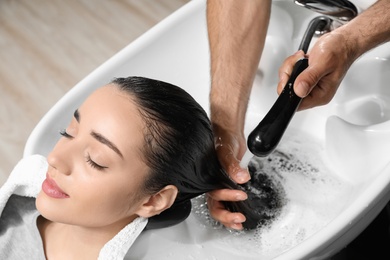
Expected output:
{"points": [[237, 31]]}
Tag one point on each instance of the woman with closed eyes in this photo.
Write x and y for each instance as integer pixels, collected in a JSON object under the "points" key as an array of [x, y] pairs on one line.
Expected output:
{"points": [[134, 154]]}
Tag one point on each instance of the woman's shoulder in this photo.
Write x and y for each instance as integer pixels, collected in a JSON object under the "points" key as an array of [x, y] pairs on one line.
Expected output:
{"points": [[18, 227], [17, 211]]}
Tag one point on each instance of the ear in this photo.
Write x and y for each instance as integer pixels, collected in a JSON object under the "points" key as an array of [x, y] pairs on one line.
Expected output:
{"points": [[158, 202]]}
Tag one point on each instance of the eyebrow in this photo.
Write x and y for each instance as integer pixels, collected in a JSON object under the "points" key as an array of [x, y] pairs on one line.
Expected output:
{"points": [[99, 137], [107, 142]]}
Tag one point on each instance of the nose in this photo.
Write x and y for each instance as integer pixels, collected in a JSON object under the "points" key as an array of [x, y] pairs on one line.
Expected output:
{"points": [[60, 158]]}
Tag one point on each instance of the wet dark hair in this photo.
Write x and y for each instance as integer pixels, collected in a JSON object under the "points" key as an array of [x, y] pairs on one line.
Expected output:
{"points": [[178, 148]]}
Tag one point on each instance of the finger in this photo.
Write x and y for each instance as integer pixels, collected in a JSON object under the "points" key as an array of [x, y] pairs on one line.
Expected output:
{"points": [[321, 94], [238, 174], [282, 83], [286, 69], [232, 165], [308, 102], [229, 219], [289, 62], [227, 195], [312, 100], [306, 81]]}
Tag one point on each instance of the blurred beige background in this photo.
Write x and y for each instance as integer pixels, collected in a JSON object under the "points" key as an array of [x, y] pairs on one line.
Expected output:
{"points": [[47, 46]]}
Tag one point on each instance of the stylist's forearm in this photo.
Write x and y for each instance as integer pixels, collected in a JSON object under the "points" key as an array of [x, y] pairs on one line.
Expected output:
{"points": [[237, 32], [369, 29]]}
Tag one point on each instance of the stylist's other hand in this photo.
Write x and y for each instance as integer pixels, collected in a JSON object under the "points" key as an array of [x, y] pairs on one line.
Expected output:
{"points": [[230, 148], [329, 61]]}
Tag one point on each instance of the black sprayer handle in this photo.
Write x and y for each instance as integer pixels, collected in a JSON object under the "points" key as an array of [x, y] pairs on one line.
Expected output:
{"points": [[266, 136]]}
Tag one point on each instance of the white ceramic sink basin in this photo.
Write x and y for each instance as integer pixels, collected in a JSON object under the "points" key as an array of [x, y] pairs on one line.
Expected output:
{"points": [[332, 162]]}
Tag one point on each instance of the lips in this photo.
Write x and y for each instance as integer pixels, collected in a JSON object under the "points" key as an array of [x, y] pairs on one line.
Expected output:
{"points": [[50, 187]]}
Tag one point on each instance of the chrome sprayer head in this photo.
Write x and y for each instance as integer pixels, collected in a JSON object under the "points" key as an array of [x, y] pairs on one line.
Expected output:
{"points": [[341, 11]]}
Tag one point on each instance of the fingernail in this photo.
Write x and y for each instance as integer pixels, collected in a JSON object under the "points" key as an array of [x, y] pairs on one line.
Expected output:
{"points": [[241, 196], [302, 89], [237, 221], [242, 176]]}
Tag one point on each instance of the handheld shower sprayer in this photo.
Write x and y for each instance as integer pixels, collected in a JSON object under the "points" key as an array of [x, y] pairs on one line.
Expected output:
{"points": [[266, 136]]}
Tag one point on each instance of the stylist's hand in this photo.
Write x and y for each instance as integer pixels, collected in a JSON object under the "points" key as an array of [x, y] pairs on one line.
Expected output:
{"points": [[329, 60], [230, 149]]}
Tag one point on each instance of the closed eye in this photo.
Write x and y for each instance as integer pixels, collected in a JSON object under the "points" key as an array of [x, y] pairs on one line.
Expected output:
{"points": [[65, 134], [95, 165]]}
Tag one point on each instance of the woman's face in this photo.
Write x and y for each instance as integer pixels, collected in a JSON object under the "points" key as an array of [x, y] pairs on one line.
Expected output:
{"points": [[95, 170]]}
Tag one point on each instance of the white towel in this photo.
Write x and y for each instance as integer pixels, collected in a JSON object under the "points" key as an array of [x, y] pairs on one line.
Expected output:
{"points": [[26, 180], [119, 245]]}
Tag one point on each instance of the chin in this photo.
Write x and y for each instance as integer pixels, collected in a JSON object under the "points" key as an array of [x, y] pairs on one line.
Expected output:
{"points": [[42, 204], [49, 208]]}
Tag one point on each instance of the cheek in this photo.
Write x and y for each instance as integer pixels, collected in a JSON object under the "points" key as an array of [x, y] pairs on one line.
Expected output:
{"points": [[93, 202], [107, 204]]}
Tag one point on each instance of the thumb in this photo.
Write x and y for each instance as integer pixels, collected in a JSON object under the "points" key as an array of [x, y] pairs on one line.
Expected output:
{"points": [[305, 82]]}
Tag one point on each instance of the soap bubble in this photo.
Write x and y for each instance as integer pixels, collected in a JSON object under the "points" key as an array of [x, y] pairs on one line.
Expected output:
{"points": [[305, 193]]}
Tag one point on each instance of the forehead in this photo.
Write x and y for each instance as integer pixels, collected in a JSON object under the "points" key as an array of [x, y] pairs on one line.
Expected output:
{"points": [[113, 113]]}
